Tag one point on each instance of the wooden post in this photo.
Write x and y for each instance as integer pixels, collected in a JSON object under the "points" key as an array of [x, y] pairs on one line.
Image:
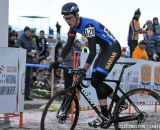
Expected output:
{"points": [[52, 73]]}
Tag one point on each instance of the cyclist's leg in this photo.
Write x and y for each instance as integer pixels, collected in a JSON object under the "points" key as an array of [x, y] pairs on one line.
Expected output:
{"points": [[102, 90], [68, 79], [102, 67]]}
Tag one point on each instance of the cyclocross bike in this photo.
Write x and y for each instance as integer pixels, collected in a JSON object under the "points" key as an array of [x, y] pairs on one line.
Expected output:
{"points": [[58, 114]]}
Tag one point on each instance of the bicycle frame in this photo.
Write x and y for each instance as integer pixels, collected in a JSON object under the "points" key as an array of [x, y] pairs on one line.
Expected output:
{"points": [[89, 100]]}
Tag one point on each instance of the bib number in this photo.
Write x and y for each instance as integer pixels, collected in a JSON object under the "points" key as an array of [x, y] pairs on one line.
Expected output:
{"points": [[90, 32]]}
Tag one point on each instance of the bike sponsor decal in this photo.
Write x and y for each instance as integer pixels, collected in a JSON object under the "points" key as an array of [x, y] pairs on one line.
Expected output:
{"points": [[87, 97]]}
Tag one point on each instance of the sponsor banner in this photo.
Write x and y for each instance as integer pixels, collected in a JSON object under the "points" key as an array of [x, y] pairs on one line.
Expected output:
{"points": [[145, 74], [12, 67]]}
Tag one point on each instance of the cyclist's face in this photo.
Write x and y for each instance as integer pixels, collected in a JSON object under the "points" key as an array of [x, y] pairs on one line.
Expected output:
{"points": [[71, 20]]}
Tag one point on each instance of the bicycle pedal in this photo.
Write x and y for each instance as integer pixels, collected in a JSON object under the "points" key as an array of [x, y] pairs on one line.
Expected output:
{"points": [[106, 124]]}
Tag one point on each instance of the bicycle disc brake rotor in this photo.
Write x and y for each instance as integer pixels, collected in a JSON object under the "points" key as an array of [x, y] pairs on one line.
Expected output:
{"points": [[63, 117]]}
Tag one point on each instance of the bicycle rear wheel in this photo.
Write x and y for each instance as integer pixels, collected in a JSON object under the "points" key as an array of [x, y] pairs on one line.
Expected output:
{"points": [[147, 101], [58, 114]]}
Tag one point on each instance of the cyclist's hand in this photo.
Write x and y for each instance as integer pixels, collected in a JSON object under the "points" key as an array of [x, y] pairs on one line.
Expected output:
{"points": [[54, 65], [82, 75]]}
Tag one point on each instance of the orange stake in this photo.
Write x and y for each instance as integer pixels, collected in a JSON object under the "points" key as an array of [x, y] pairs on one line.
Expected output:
{"points": [[21, 120]]}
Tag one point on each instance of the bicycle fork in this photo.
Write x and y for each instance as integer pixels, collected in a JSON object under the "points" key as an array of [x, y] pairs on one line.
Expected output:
{"points": [[65, 108]]}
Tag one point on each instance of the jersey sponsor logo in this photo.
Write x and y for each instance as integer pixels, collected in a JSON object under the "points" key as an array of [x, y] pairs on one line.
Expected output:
{"points": [[90, 31], [110, 61], [109, 34]]}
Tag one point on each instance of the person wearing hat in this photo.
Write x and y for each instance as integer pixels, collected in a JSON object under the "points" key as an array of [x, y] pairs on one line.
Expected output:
{"points": [[149, 30], [26, 42], [155, 23], [134, 31], [12, 39], [140, 52], [154, 44]]}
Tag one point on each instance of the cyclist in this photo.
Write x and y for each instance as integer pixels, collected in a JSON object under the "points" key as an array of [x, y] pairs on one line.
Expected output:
{"points": [[110, 52]]}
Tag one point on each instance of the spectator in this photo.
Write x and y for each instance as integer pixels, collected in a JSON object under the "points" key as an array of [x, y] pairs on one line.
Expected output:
{"points": [[123, 52], [77, 45], [58, 30], [9, 29], [51, 32], [134, 31], [155, 23], [12, 39], [34, 36], [42, 46], [149, 30], [154, 44], [58, 50], [68, 77], [26, 42], [140, 52]]}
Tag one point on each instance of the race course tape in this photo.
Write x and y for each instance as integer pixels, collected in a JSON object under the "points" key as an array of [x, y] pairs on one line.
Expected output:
{"points": [[38, 65]]}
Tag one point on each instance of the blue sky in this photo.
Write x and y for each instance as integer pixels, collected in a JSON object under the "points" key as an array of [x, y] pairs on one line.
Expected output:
{"points": [[114, 14]]}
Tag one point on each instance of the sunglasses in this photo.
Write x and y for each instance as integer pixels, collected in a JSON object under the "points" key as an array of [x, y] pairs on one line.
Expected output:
{"points": [[68, 17]]}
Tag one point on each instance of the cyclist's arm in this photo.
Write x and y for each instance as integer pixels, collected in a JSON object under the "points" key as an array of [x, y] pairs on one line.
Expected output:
{"points": [[66, 49], [90, 34]]}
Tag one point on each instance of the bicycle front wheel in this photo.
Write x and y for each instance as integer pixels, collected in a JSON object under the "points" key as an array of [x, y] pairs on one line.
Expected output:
{"points": [[145, 117], [61, 112]]}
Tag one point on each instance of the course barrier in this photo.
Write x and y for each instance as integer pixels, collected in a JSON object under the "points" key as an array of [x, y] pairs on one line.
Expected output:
{"points": [[12, 83], [38, 65]]}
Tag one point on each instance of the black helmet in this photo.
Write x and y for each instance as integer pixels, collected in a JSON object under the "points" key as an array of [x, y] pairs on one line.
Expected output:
{"points": [[70, 8]]}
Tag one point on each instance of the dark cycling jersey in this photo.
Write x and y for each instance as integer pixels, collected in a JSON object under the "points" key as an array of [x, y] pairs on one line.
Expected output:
{"points": [[95, 32]]}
